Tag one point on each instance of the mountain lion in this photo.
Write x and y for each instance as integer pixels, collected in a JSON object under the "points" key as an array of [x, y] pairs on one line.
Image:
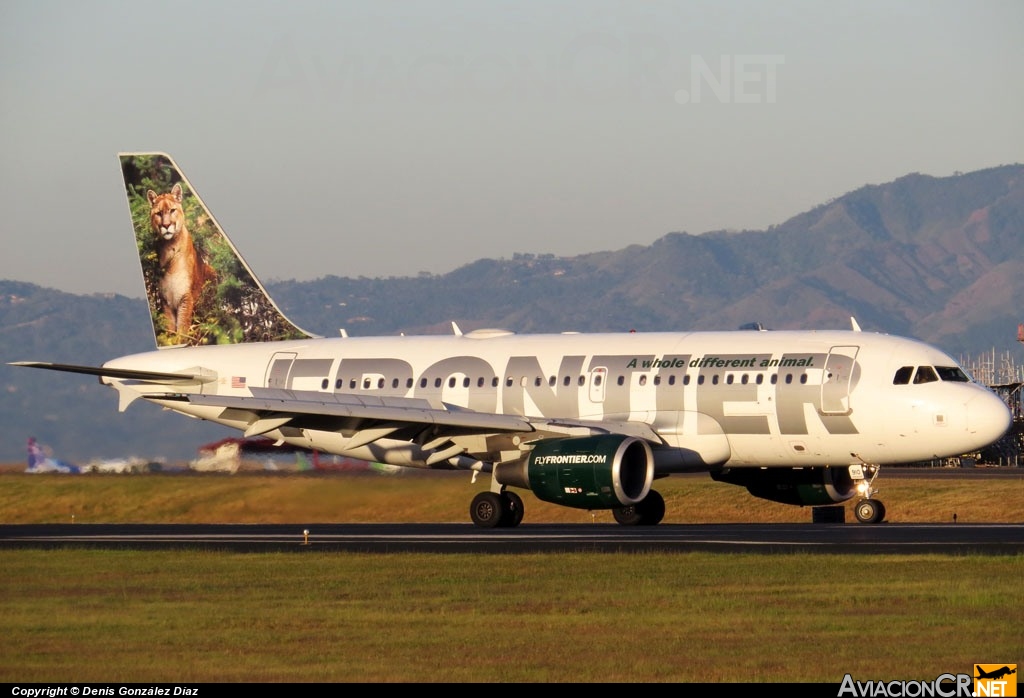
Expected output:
{"points": [[183, 271]]}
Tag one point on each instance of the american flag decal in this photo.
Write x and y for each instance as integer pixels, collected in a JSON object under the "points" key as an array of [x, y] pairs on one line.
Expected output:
{"points": [[237, 381]]}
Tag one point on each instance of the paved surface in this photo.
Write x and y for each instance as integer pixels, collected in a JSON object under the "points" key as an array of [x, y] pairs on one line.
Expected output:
{"points": [[1001, 539]]}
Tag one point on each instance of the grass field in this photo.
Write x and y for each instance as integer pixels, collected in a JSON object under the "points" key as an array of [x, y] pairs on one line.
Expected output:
{"points": [[445, 496], [217, 616]]}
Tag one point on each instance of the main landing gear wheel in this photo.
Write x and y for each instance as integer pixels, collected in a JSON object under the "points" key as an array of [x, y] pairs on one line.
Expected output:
{"points": [[493, 510], [487, 510], [512, 509], [869, 511], [647, 512]]}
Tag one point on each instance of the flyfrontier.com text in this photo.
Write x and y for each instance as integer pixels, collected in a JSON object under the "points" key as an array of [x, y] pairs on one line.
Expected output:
{"points": [[572, 458], [944, 686]]}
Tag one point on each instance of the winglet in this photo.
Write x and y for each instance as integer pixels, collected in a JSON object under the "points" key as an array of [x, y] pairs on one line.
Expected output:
{"points": [[853, 323], [199, 288]]}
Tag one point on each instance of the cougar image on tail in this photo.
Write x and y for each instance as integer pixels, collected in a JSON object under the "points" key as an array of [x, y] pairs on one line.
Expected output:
{"points": [[183, 272]]}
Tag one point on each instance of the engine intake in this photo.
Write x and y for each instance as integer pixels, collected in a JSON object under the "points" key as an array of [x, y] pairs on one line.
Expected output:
{"points": [[590, 472]]}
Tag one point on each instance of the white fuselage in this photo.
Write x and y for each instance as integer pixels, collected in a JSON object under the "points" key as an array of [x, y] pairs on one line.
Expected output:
{"points": [[742, 398]]}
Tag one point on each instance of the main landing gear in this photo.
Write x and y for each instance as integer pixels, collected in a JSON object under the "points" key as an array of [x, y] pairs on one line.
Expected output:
{"points": [[497, 510], [868, 510], [647, 512], [505, 510]]}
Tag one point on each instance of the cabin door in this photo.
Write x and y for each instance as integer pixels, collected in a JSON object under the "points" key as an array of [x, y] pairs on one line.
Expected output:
{"points": [[278, 369], [836, 380]]}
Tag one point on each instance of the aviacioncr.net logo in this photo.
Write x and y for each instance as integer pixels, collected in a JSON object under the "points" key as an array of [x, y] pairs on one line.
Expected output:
{"points": [[944, 686], [997, 680]]}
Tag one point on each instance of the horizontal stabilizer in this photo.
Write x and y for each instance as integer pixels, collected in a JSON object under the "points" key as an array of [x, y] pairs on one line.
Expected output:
{"points": [[128, 374]]}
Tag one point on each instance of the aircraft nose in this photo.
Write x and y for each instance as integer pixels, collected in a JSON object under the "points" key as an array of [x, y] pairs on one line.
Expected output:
{"points": [[988, 417]]}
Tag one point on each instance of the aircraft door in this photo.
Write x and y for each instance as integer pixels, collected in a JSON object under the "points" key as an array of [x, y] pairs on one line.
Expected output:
{"points": [[836, 378], [278, 369]]}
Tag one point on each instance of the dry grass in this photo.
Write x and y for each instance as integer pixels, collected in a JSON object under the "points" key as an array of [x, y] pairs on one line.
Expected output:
{"points": [[445, 497], [207, 616]]}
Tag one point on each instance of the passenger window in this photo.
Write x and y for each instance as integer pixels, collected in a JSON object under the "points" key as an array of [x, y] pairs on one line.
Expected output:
{"points": [[643, 380], [902, 376], [925, 374]]}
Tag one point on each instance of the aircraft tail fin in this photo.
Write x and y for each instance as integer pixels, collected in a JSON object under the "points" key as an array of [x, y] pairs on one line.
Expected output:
{"points": [[41, 462], [200, 289]]}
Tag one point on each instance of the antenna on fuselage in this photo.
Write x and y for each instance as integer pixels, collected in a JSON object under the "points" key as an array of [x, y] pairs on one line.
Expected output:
{"points": [[853, 323]]}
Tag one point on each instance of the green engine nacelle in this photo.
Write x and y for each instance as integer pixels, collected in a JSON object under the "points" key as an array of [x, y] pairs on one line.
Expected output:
{"points": [[803, 486], [591, 472]]}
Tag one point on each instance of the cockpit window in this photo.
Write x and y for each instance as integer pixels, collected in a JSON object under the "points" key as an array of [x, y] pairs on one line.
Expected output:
{"points": [[952, 373], [925, 374], [928, 374], [902, 376]]}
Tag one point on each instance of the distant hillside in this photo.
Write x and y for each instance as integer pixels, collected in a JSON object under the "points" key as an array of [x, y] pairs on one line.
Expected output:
{"points": [[936, 258]]}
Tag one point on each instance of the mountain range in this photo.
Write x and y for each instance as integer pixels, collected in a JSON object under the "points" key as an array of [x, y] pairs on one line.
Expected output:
{"points": [[937, 258]]}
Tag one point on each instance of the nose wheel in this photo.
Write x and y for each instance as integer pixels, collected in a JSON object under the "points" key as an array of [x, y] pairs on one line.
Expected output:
{"points": [[869, 511]]}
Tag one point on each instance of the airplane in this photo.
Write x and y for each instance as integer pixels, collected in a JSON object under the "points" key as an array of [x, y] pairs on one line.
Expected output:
{"points": [[587, 421], [994, 674]]}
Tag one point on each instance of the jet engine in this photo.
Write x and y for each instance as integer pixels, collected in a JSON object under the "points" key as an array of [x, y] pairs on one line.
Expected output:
{"points": [[590, 472], [803, 486]]}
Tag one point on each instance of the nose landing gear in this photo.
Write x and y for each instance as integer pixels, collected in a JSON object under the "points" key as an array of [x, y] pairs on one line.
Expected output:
{"points": [[868, 510]]}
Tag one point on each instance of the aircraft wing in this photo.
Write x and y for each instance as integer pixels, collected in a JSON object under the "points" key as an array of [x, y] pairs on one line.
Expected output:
{"points": [[372, 415], [364, 407]]}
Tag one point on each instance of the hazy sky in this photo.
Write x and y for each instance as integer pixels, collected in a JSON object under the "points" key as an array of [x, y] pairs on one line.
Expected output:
{"points": [[390, 138]]}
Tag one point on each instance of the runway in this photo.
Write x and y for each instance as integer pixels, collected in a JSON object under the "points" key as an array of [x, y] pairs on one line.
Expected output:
{"points": [[947, 538]]}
